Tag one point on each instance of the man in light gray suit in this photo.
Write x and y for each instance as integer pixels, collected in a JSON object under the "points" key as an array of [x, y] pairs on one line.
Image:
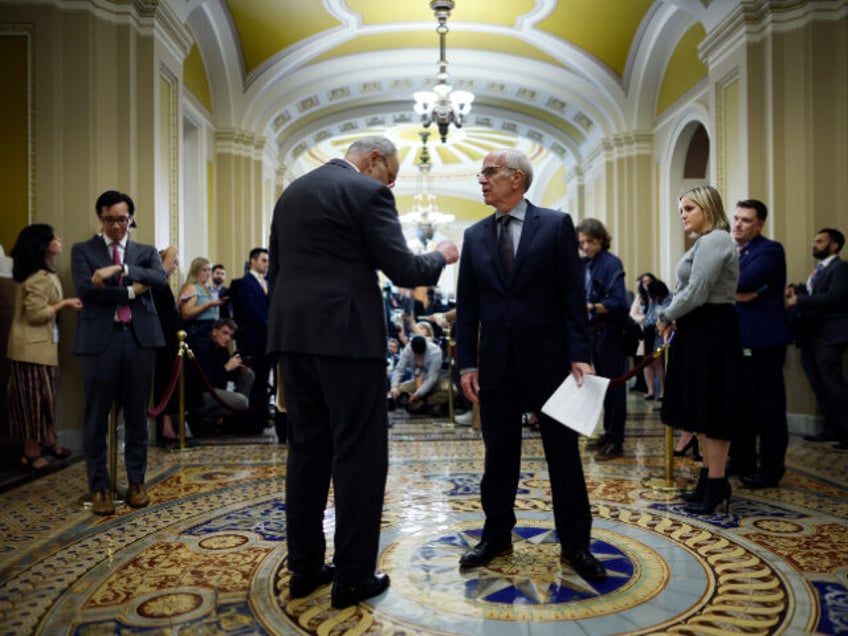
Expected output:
{"points": [[332, 229], [117, 337]]}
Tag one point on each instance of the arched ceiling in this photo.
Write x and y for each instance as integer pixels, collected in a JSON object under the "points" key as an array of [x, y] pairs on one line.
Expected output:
{"points": [[560, 76]]}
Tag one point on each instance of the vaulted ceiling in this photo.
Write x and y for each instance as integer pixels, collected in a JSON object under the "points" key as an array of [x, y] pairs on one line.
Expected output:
{"points": [[553, 78]]}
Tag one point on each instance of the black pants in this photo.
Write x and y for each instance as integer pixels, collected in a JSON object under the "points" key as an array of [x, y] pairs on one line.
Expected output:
{"points": [[610, 362], [500, 412], [822, 362], [338, 428], [765, 414]]}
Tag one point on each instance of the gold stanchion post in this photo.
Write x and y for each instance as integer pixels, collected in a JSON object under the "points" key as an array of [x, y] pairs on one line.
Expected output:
{"points": [[666, 482], [450, 380], [183, 352]]}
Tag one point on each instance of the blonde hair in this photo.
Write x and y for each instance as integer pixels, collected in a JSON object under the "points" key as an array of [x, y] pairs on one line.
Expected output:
{"points": [[425, 328], [708, 199], [194, 269]]}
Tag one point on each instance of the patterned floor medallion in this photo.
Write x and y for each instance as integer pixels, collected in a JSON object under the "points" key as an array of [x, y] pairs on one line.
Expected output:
{"points": [[208, 556]]}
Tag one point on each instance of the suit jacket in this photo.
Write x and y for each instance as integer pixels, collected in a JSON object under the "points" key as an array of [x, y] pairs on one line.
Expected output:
{"points": [[95, 327], [608, 288], [829, 302], [537, 317], [250, 310], [333, 228], [762, 321], [32, 336]]}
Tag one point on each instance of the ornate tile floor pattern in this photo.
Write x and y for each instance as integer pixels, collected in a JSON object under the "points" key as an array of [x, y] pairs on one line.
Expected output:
{"points": [[208, 555]]}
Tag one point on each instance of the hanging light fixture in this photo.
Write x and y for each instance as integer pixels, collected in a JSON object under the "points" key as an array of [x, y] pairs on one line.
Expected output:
{"points": [[425, 216], [442, 105]]}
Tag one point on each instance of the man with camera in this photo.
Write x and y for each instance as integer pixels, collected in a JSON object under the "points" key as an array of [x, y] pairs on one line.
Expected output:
{"points": [[415, 380], [223, 410]]}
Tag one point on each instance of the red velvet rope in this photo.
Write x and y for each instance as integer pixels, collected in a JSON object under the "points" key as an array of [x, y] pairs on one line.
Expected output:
{"points": [[172, 383], [644, 363]]}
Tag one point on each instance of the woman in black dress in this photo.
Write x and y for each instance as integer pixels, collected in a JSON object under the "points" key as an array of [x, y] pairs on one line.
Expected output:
{"points": [[702, 388]]}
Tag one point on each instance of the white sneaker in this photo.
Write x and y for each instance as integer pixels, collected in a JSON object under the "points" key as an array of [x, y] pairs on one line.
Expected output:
{"points": [[464, 419]]}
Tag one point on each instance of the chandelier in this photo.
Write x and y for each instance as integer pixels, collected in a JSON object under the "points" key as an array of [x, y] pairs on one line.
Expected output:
{"points": [[442, 105], [424, 216]]}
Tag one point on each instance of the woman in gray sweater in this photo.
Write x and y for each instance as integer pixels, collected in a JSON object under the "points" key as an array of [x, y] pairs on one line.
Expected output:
{"points": [[703, 382]]}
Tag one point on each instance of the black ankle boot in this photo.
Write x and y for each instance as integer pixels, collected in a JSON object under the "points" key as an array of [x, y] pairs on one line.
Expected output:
{"points": [[716, 492], [698, 493]]}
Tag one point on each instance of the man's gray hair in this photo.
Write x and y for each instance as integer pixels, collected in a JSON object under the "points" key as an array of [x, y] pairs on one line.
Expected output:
{"points": [[367, 144], [517, 160]]}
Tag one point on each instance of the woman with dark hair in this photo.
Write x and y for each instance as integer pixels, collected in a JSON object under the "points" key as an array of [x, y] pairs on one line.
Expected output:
{"points": [[658, 298], [703, 380], [33, 350], [637, 313]]}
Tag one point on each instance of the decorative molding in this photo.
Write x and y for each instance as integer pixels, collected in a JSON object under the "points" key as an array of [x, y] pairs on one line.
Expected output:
{"points": [[753, 21], [240, 142], [720, 145], [173, 127]]}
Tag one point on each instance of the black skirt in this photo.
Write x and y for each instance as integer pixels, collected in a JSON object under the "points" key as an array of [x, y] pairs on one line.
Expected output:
{"points": [[703, 384]]}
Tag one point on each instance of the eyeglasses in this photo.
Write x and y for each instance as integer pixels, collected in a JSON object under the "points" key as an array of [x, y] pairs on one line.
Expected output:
{"points": [[114, 220], [491, 171]]}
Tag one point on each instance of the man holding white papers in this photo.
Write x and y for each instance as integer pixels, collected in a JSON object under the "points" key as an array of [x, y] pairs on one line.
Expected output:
{"points": [[521, 329]]}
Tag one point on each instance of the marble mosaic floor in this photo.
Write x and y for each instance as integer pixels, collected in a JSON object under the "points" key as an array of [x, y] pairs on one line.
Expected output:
{"points": [[207, 557]]}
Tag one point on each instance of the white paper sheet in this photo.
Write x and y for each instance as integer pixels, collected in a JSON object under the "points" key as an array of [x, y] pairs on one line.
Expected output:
{"points": [[578, 407]]}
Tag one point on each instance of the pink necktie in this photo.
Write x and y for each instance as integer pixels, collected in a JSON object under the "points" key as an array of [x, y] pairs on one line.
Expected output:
{"points": [[124, 313]]}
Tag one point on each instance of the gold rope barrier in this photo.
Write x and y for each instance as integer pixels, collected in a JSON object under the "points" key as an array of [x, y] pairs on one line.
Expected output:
{"points": [[183, 352]]}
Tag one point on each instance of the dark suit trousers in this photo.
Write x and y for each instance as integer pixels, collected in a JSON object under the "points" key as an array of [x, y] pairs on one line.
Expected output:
{"points": [[610, 362], [338, 427], [765, 414], [500, 412], [123, 373], [823, 365]]}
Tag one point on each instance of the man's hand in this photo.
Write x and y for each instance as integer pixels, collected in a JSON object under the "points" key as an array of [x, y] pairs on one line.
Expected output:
{"points": [[470, 386], [448, 250], [139, 289], [746, 297], [234, 362], [791, 296], [395, 393], [100, 276], [579, 369]]}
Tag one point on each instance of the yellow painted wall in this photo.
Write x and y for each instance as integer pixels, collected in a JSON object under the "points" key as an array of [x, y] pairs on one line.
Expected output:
{"points": [[195, 78], [684, 69], [14, 132]]}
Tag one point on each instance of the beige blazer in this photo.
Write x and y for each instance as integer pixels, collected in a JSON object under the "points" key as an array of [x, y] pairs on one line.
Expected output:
{"points": [[31, 338]]}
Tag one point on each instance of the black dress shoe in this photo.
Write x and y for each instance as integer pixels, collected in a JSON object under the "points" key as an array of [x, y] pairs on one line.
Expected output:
{"points": [[585, 564], [824, 436], [758, 481], [345, 595], [841, 446], [597, 442], [482, 553], [610, 451], [302, 584]]}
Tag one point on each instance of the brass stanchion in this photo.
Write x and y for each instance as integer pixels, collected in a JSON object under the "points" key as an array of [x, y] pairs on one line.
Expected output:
{"points": [[183, 352], [451, 422], [666, 482]]}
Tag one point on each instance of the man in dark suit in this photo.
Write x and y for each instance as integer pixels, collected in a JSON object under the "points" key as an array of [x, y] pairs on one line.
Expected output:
{"points": [[762, 325], [332, 229], [825, 304], [117, 337], [521, 328], [250, 310]]}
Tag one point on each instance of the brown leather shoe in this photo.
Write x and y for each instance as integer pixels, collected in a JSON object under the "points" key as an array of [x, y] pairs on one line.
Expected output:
{"points": [[137, 496], [102, 503]]}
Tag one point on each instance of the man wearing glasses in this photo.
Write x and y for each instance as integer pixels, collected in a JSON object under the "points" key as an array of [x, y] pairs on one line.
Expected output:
{"points": [[117, 337], [521, 329], [332, 229]]}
